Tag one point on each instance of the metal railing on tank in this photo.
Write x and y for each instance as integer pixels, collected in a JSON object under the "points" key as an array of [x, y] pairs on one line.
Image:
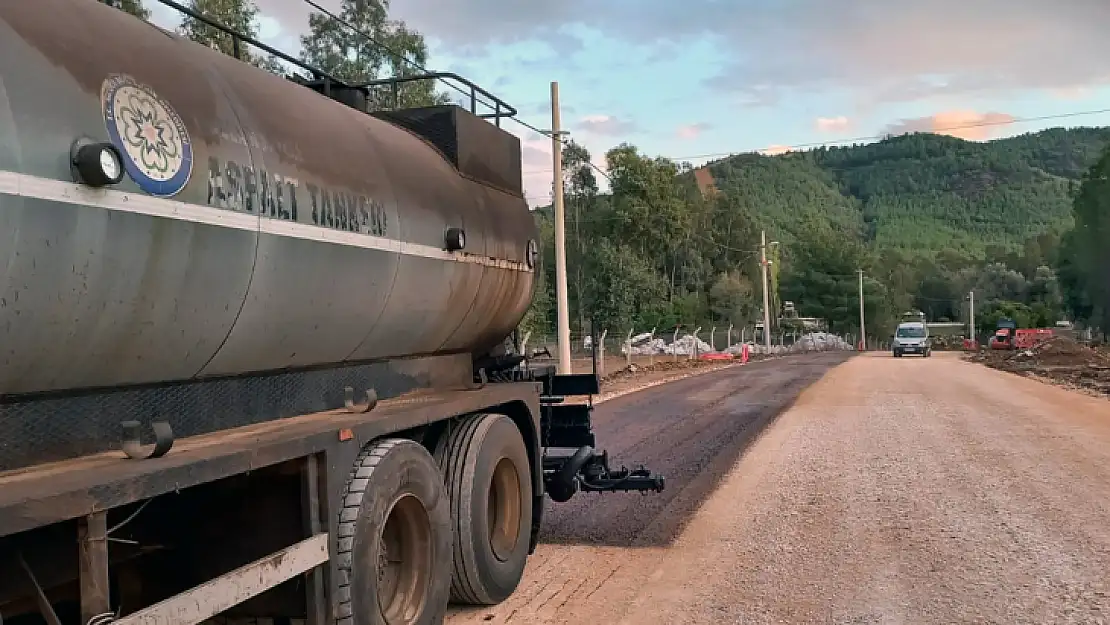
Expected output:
{"points": [[327, 83]]}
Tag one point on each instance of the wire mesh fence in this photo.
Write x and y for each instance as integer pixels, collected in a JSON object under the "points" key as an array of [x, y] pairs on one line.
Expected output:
{"points": [[614, 350]]}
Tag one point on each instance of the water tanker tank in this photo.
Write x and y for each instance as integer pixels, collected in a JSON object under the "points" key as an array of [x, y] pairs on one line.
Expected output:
{"points": [[260, 226]]}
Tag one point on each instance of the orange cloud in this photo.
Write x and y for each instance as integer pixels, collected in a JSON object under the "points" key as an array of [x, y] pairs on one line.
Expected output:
{"points": [[775, 150], [965, 124], [691, 131], [832, 124]]}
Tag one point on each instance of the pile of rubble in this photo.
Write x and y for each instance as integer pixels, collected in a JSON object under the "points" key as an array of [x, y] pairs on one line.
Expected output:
{"points": [[643, 345], [1059, 359]]}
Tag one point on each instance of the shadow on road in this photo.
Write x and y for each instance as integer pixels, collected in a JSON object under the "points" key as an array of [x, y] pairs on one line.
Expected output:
{"points": [[692, 431]]}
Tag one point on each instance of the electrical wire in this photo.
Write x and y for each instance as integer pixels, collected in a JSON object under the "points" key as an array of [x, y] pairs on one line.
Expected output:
{"points": [[814, 144], [398, 55], [405, 59], [424, 69], [834, 142]]}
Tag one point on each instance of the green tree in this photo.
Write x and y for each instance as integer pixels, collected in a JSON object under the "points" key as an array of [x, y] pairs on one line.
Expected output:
{"points": [[1088, 255], [579, 196], [237, 15], [382, 48], [928, 218], [134, 7], [732, 299]]}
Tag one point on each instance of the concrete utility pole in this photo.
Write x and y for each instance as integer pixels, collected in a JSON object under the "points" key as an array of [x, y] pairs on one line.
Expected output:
{"points": [[766, 289], [562, 311], [862, 330], [971, 315]]}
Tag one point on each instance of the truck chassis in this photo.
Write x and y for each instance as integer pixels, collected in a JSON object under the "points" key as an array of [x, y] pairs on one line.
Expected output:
{"points": [[372, 513]]}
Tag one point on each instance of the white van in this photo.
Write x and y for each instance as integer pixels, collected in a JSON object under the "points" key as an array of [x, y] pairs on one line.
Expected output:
{"points": [[911, 338]]}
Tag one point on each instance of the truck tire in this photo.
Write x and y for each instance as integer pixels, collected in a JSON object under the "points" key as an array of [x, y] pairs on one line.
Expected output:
{"points": [[489, 484], [394, 538]]}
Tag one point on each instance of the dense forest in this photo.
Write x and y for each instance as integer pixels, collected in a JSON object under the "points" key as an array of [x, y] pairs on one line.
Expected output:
{"points": [[928, 218]]}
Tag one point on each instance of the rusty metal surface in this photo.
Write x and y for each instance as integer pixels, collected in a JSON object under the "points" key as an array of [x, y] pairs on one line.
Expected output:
{"points": [[55, 492], [94, 297]]}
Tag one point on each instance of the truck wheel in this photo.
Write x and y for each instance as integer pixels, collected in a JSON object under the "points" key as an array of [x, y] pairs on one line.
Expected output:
{"points": [[489, 483], [394, 538]]}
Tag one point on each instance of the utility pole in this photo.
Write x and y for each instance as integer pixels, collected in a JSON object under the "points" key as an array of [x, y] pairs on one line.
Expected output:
{"points": [[971, 315], [862, 330], [766, 294], [562, 311]]}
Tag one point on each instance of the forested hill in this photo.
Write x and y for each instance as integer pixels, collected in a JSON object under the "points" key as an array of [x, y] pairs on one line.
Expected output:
{"points": [[921, 193]]}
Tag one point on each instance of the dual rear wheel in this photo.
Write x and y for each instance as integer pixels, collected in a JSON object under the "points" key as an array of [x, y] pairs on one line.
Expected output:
{"points": [[418, 528]]}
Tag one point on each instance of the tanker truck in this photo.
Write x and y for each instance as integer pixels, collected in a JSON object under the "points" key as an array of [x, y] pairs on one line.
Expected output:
{"points": [[257, 340]]}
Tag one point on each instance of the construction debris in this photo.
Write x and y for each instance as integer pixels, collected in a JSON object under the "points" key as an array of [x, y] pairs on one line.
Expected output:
{"points": [[1059, 359], [644, 344]]}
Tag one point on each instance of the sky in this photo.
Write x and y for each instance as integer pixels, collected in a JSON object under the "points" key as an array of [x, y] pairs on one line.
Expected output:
{"points": [[696, 80]]}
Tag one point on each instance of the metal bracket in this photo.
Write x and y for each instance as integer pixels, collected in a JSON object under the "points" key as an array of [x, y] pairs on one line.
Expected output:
{"points": [[349, 401], [133, 447]]}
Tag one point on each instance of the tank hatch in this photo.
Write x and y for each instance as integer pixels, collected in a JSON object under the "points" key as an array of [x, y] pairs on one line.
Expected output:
{"points": [[477, 148]]}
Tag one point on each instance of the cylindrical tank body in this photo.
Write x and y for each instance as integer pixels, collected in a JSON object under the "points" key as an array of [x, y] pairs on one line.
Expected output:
{"points": [[261, 226]]}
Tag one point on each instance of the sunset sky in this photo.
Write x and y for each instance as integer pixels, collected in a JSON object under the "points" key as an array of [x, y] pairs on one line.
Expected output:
{"points": [[698, 79]]}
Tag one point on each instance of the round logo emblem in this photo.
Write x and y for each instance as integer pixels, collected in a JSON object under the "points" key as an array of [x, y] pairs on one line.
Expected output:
{"points": [[153, 140]]}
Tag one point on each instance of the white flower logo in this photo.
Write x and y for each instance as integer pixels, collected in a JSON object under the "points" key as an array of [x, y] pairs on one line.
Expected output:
{"points": [[150, 138]]}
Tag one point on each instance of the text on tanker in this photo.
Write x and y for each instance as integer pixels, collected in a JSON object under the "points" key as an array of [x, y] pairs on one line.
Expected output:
{"points": [[244, 188]]}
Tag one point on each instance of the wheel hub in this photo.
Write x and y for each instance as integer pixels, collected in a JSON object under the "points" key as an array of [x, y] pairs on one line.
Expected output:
{"points": [[404, 561], [504, 509]]}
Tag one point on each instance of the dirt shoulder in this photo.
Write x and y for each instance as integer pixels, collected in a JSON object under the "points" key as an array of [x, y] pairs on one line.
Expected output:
{"points": [[1059, 360]]}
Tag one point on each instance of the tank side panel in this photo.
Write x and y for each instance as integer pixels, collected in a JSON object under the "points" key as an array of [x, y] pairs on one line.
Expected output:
{"points": [[428, 295], [311, 300], [100, 292], [505, 295]]}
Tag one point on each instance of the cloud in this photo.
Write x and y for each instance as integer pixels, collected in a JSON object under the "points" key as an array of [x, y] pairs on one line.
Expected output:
{"points": [[1071, 93], [775, 150], [606, 125], [832, 124], [692, 131], [964, 124], [877, 51], [899, 51], [537, 166]]}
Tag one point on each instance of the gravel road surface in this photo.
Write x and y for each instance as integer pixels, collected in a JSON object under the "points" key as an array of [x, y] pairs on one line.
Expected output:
{"points": [[892, 491]]}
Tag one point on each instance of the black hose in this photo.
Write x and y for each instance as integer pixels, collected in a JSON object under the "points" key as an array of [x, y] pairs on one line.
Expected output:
{"points": [[564, 484]]}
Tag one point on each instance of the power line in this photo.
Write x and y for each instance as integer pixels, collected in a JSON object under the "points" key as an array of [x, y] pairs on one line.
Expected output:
{"points": [[604, 173], [832, 142], [400, 56], [424, 69], [816, 144]]}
